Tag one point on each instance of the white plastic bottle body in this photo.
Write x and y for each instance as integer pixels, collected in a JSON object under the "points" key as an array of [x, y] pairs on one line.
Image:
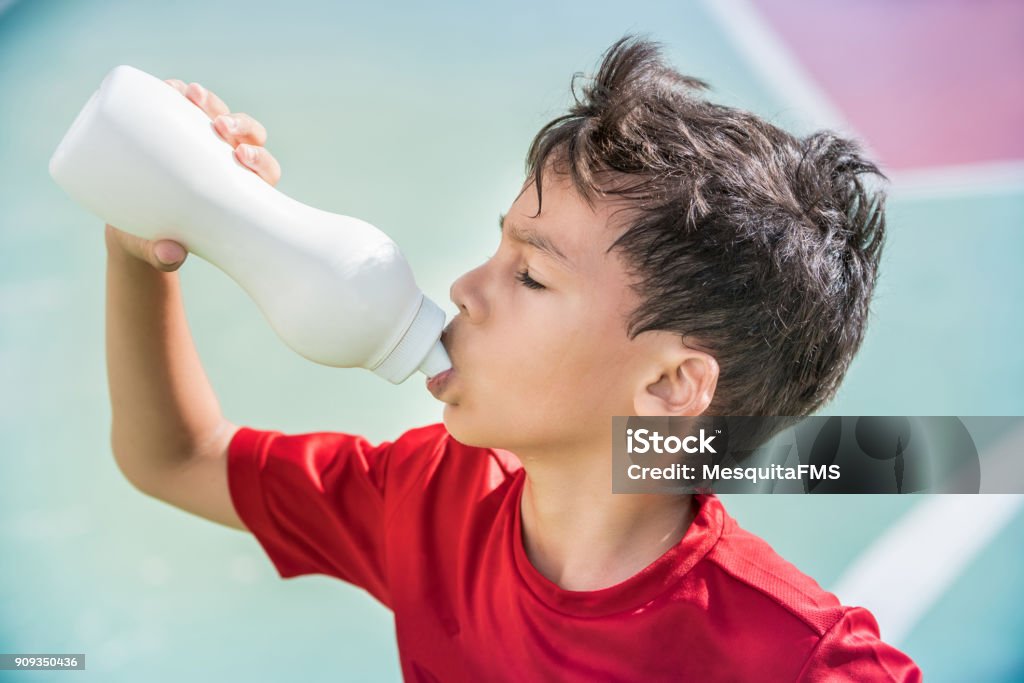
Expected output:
{"points": [[336, 289]]}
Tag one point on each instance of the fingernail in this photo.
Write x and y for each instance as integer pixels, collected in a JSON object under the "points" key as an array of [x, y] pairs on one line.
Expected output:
{"points": [[167, 254], [230, 123], [250, 154]]}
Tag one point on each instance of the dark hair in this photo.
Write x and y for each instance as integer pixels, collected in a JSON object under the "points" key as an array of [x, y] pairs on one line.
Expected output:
{"points": [[756, 246]]}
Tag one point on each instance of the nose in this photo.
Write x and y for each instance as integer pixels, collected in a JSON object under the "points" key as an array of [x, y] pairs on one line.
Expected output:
{"points": [[468, 294]]}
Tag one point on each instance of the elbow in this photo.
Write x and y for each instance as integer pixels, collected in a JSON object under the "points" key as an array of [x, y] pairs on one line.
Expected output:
{"points": [[132, 466]]}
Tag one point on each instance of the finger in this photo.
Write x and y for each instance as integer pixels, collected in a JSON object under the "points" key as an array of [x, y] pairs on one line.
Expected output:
{"points": [[177, 84], [165, 255], [206, 100], [260, 161], [237, 128], [132, 244]]}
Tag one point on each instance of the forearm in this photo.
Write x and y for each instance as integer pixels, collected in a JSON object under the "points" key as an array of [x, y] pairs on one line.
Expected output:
{"points": [[163, 408]]}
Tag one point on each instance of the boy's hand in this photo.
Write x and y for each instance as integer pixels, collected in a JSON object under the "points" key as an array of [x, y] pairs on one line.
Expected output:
{"points": [[241, 131]]}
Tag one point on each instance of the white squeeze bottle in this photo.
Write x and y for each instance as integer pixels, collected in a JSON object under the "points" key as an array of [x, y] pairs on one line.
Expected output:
{"points": [[337, 290]]}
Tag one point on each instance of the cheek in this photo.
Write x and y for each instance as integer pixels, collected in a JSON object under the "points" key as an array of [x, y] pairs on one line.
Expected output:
{"points": [[526, 360], [540, 380], [567, 361]]}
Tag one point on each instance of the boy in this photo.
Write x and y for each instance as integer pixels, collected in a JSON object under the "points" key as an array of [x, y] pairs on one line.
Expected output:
{"points": [[666, 256]]}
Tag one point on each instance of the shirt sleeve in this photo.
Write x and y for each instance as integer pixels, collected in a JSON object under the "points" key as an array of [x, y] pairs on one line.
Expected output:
{"points": [[315, 503], [852, 651]]}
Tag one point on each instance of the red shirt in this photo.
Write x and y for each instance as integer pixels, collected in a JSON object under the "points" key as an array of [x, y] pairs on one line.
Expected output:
{"points": [[431, 528]]}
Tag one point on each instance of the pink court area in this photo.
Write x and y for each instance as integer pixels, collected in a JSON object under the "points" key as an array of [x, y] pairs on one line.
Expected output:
{"points": [[927, 84]]}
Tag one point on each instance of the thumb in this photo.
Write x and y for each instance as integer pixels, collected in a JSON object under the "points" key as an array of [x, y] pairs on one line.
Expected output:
{"points": [[167, 255]]}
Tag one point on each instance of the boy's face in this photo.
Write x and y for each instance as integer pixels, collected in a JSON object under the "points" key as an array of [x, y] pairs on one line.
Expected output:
{"points": [[546, 367]]}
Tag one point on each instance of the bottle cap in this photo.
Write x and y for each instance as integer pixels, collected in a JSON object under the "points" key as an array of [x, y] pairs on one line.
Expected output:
{"points": [[437, 360], [419, 348]]}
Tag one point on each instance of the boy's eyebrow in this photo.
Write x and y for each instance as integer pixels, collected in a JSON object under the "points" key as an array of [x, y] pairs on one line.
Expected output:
{"points": [[534, 239]]}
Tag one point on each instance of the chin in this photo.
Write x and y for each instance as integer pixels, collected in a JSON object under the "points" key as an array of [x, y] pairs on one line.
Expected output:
{"points": [[468, 431], [463, 432]]}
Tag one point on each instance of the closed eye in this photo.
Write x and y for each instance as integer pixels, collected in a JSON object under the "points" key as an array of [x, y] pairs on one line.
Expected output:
{"points": [[524, 277]]}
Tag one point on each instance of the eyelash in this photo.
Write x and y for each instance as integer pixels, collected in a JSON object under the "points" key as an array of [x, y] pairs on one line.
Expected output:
{"points": [[524, 277]]}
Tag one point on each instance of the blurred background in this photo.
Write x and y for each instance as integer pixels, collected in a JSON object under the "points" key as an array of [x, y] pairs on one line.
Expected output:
{"points": [[416, 117]]}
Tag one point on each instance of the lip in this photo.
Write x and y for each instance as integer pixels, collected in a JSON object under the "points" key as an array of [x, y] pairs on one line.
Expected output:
{"points": [[437, 383]]}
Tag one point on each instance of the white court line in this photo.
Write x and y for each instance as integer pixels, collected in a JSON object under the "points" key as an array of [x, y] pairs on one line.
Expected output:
{"points": [[920, 555], [775, 64], [996, 177]]}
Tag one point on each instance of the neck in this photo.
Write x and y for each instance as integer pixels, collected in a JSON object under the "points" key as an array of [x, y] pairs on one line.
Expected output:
{"points": [[580, 535]]}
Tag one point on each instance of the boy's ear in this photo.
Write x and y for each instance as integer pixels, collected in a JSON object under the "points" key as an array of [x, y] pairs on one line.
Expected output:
{"points": [[682, 382]]}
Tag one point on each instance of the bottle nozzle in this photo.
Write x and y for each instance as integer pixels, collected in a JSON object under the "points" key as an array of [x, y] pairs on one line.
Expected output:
{"points": [[437, 360]]}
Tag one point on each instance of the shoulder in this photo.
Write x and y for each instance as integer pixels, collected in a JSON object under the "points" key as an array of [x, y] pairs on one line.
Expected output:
{"points": [[765, 577], [791, 611]]}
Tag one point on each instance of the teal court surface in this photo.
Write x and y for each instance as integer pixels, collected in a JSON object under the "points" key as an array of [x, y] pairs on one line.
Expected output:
{"points": [[417, 119]]}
